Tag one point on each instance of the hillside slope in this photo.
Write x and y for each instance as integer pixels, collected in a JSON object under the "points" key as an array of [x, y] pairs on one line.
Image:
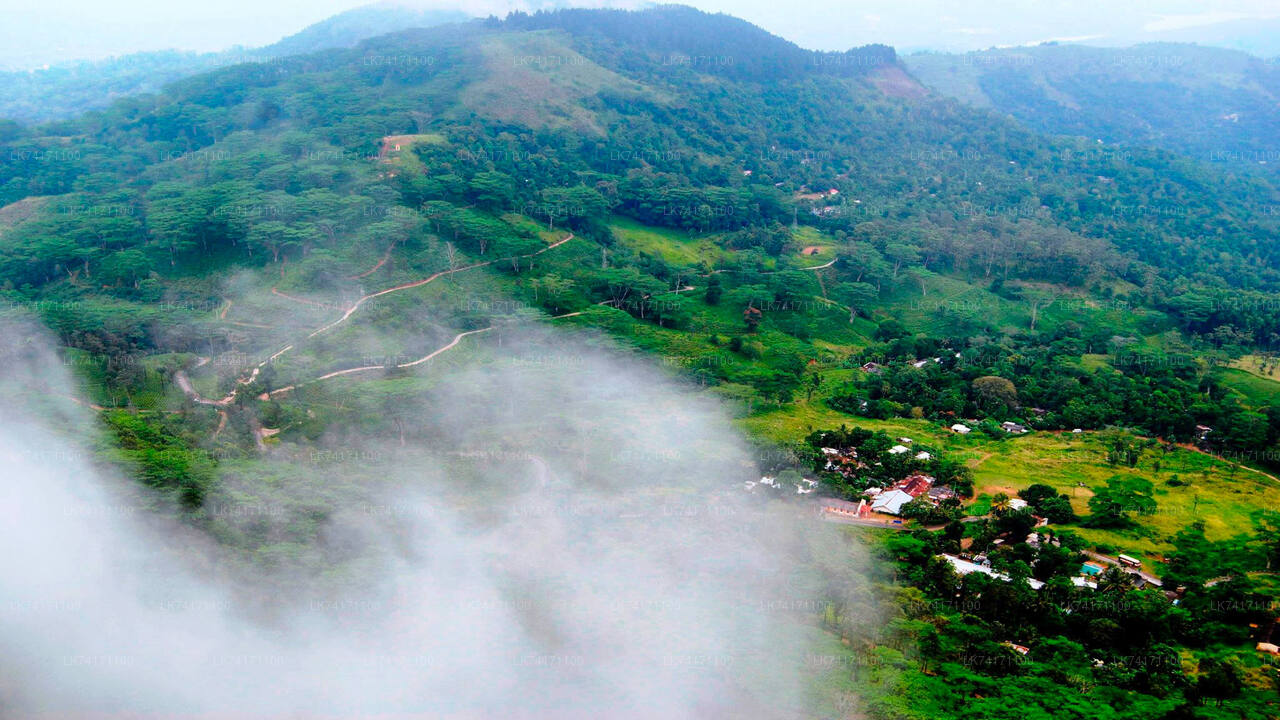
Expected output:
{"points": [[1213, 105], [290, 285]]}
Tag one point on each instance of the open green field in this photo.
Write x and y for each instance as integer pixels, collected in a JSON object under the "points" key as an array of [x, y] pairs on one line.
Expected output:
{"points": [[1260, 366], [940, 304], [671, 245], [1221, 494], [1258, 391]]}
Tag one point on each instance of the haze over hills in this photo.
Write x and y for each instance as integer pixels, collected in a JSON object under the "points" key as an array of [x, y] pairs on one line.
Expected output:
{"points": [[1210, 104], [62, 91], [65, 89], [555, 362]]}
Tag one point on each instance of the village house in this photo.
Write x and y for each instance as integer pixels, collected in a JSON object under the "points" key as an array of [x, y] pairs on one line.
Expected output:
{"points": [[891, 501], [940, 493], [1013, 427], [845, 462], [1020, 649], [965, 567], [960, 428], [915, 484], [840, 508]]}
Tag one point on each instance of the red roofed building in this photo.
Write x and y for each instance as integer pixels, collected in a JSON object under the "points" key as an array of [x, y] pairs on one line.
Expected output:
{"points": [[915, 484]]}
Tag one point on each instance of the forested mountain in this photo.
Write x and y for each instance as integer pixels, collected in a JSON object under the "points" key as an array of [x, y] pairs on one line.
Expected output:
{"points": [[1210, 104], [31, 96], [259, 262], [733, 119], [350, 27]]}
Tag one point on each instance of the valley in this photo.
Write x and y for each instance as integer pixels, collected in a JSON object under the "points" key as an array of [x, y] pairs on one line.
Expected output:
{"points": [[535, 311]]}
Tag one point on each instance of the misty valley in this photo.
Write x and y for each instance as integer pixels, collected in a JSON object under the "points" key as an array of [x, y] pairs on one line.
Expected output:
{"points": [[642, 363]]}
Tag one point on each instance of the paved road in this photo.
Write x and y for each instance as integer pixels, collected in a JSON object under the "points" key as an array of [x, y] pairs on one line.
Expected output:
{"points": [[1224, 578], [1151, 579]]}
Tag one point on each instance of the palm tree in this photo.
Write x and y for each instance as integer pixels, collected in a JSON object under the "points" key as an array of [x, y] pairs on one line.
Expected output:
{"points": [[1000, 503], [1115, 580]]}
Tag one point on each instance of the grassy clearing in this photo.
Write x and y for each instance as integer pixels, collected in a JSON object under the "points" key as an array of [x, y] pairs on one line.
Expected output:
{"points": [[1259, 366], [794, 422], [941, 304], [398, 150], [1257, 389], [16, 213], [536, 80], [812, 245], [1214, 491], [673, 246]]}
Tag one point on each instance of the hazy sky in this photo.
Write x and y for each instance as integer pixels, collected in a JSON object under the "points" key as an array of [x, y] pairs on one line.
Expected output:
{"points": [[53, 30]]}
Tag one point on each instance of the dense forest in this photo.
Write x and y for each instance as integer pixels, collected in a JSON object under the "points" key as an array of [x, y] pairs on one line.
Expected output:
{"points": [[790, 231], [1210, 104]]}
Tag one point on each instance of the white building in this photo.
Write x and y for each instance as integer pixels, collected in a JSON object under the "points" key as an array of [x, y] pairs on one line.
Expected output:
{"points": [[964, 567], [891, 501]]}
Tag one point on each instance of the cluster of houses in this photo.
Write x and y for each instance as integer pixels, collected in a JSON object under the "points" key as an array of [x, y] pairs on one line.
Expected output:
{"points": [[875, 367], [887, 500], [1012, 428], [979, 564], [960, 428], [804, 487]]}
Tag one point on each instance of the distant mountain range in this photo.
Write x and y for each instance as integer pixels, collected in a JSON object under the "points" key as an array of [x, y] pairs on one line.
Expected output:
{"points": [[67, 90], [1211, 104]]}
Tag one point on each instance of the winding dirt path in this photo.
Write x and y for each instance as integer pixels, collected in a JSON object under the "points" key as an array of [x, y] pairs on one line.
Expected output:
{"points": [[419, 283], [385, 257], [406, 286], [297, 299], [365, 368], [83, 403], [184, 383], [818, 267]]}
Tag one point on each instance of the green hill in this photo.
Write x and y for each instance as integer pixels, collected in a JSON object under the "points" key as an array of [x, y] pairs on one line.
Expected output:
{"points": [[260, 262], [1214, 105]]}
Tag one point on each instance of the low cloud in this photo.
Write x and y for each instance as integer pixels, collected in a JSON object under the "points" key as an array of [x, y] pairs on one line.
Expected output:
{"points": [[553, 540]]}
